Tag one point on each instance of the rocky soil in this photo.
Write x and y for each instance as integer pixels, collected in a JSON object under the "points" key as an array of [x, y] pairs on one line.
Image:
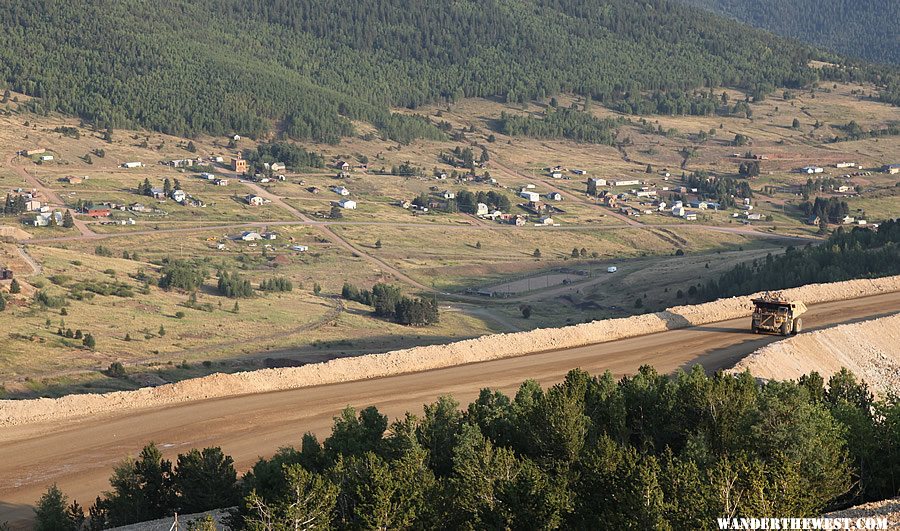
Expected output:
{"points": [[870, 350]]}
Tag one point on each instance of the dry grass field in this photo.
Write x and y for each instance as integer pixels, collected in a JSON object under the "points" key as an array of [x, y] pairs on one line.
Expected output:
{"points": [[450, 254]]}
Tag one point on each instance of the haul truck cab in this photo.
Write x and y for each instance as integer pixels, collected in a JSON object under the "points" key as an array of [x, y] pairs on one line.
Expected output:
{"points": [[771, 313]]}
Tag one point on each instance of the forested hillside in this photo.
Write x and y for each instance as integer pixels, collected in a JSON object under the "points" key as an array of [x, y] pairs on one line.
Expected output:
{"points": [[860, 28], [859, 253], [310, 66], [645, 452]]}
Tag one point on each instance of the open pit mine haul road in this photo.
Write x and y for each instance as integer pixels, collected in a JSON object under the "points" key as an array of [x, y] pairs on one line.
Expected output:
{"points": [[79, 454]]}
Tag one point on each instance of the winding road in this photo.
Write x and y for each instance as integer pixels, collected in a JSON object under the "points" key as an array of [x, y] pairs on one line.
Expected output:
{"points": [[79, 454]]}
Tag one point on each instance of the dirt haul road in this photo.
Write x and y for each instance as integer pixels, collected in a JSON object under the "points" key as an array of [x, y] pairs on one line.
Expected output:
{"points": [[79, 454]]}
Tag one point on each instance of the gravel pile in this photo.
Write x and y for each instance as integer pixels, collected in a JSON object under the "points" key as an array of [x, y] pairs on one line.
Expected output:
{"points": [[15, 412], [870, 350], [884, 508]]}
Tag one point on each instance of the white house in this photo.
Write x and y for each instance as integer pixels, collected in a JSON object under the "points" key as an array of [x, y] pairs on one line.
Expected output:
{"points": [[250, 236], [756, 216], [448, 195], [690, 216], [46, 158], [32, 205], [132, 165], [812, 169], [481, 209], [221, 182], [179, 195], [342, 165], [44, 220], [531, 196], [300, 248], [349, 204], [554, 196], [579, 172], [278, 166], [254, 200], [556, 175], [340, 190], [845, 165], [546, 220], [629, 182], [678, 211]]}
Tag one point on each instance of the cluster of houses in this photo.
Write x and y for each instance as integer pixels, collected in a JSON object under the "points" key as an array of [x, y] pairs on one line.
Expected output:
{"points": [[213, 179], [36, 154], [199, 161], [345, 202], [559, 172]]}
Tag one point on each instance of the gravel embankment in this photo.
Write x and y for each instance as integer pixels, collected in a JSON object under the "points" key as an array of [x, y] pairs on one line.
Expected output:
{"points": [[870, 350], [416, 359], [889, 509]]}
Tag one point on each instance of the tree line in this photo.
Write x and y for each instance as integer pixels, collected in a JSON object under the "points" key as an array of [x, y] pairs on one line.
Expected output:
{"points": [[388, 302], [562, 123], [845, 255], [647, 451]]}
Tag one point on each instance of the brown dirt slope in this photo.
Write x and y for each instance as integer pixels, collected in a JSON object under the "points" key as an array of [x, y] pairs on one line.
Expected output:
{"points": [[870, 350]]}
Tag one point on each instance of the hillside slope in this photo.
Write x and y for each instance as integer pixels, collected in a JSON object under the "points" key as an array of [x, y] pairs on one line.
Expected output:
{"points": [[231, 65], [861, 28]]}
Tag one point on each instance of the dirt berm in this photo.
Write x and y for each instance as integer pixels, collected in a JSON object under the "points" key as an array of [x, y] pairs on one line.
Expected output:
{"points": [[870, 350], [485, 348]]}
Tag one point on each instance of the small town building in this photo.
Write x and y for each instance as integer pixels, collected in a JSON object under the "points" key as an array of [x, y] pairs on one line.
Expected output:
{"points": [[481, 209], [554, 196], [891, 169], [71, 179], [531, 196], [340, 190], [98, 212], [251, 236], [349, 204], [448, 195], [239, 164], [254, 200], [342, 165], [133, 165], [46, 158], [179, 195]]}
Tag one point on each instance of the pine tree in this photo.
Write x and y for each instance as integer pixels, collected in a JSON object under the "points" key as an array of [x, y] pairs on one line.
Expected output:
{"points": [[68, 221]]}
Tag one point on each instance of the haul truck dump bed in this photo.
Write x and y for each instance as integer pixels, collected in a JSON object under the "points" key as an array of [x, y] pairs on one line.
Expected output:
{"points": [[771, 313]]}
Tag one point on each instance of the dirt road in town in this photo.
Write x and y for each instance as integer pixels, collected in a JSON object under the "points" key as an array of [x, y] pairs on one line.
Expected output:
{"points": [[79, 454], [45, 194]]}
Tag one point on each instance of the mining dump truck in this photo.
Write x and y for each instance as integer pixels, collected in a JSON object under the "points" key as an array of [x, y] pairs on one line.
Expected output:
{"points": [[772, 313]]}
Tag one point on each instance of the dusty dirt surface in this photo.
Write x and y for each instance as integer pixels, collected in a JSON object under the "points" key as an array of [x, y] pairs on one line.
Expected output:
{"points": [[870, 350], [13, 232], [79, 453], [485, 348], [889, 509]]}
